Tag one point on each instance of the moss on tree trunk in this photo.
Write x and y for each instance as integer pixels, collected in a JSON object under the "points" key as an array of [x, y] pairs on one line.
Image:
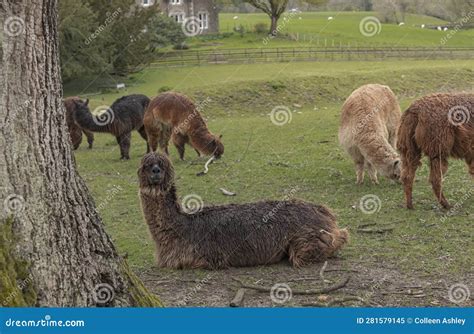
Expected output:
{"points": [[16, 285]]}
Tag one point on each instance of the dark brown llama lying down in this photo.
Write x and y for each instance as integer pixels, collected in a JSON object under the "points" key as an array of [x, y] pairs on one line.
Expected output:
{"points": [[75, 131], [123, 116], [439, 126], [233, 235]]}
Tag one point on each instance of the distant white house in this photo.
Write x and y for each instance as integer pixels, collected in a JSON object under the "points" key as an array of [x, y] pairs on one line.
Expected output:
{"points": [[204, 11]]}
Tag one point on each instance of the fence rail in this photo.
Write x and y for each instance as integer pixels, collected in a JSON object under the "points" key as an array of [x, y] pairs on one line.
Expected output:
{"points": [[239, 56]]}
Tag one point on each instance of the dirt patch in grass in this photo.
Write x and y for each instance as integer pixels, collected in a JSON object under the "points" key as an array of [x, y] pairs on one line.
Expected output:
{"points": [[377, 284]]}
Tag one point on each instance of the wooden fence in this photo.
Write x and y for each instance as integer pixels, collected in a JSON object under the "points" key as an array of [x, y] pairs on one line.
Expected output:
{"points": [[288, 54]]}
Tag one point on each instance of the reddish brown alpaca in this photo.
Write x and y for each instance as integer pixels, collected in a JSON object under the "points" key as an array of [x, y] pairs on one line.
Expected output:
{"points": [[440, 126], [175, 116]]}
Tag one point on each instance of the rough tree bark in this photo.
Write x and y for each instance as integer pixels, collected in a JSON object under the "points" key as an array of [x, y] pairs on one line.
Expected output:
{"points": [[53, 247]]}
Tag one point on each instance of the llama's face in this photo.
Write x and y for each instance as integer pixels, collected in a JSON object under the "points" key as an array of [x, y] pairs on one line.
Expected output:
{"points": [[82, 106], [218, 147], [395, 174], [155, 171]]}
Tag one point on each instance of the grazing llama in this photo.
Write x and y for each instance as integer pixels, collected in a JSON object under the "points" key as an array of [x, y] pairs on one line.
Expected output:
{"points": [[123, 116], [369, 121], [175, 116], [75, 131], [439, 126]]}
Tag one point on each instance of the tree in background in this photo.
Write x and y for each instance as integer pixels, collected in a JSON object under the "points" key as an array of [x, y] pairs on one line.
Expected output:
{"points": [[274, 9], [77, 22], [392, 11], [99, 38]]}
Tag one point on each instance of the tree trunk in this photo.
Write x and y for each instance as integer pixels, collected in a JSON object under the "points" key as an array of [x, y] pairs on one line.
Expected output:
{"points": [[53, 247], [274, 25]]}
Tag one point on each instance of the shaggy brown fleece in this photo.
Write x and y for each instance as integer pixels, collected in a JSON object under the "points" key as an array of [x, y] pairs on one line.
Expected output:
{"points": [[172, 115], [369, 121], [123, 116], [233, 235], [75, 131], [439, 126]]}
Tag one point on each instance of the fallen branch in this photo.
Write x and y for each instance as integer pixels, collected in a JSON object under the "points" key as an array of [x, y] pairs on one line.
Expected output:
{"points": [[330, 288], [337, 301], [321, 272], [238, 299], [206, 166], [227, 192], [313, 278], [376, 230], [157, 281]]}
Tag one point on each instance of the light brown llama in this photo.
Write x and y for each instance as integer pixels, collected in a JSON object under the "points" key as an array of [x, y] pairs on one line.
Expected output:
{"points": [[369, 121], [439, 126], [175, 116]]}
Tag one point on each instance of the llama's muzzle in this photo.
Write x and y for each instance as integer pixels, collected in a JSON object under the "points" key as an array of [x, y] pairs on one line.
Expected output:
{"points": [[155, 175]]}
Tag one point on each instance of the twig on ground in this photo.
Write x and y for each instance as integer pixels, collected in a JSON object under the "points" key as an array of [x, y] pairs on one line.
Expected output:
{"points": [[157, 281], [321, 273], [238, 299], [337, 301], [366, 225], [330, 288], [206, 166], [246, 149], [376, 230], [343, 300], [227, 192]]}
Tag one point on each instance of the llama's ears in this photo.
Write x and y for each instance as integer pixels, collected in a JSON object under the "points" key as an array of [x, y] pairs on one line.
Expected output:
{"points": [[79, 102], [220, 136]]}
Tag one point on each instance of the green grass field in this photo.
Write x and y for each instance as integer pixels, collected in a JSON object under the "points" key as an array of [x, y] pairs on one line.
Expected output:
{"points": [[314, 29], [265, 161]]}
